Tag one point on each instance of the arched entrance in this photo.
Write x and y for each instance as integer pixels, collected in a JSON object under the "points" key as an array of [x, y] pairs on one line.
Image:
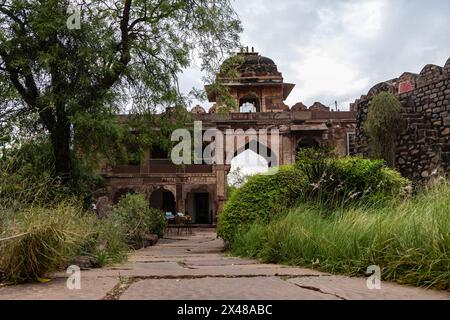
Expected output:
{"points": [[307, 142], [244, 165], [164, 200], [255, 150]]}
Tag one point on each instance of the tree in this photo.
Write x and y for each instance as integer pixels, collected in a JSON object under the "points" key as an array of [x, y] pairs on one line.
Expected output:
{"points": [[70, 83], [382, 125]]}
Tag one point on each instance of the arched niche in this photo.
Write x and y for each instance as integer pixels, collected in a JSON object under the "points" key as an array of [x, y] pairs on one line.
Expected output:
{"points": [[163, 200]]}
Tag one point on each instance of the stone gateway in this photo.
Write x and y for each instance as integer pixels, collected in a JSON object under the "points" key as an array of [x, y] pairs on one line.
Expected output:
{"points": [[200, 190]]}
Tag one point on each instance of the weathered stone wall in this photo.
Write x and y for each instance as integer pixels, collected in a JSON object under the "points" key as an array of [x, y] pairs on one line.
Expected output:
{"points": [[423, 145]]}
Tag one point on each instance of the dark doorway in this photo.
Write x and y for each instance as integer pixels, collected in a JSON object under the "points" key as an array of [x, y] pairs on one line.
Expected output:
{"points": [[201, 205], [122, 193], [163, 200]]}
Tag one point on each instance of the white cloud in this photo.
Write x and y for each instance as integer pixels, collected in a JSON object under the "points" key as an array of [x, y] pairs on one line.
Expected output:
{"points": [[337, 50]]}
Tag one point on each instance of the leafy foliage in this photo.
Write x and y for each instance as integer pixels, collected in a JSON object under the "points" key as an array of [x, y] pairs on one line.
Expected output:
{"points": [[27, 177], [263, 197], [330, 182], [138, 219], [344, 181], [70, 84], [382, 125], [107, 244]]}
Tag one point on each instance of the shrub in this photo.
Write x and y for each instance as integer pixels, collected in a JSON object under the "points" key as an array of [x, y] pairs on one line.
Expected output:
{"points": [[138, 219], [263, 197], [315, 178], [38, 241], [346, 181], [108, 244], [382, 125], [409, 240]]}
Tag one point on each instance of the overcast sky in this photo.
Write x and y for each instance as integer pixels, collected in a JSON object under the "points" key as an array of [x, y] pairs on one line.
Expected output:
{"points": [[336, 50]]}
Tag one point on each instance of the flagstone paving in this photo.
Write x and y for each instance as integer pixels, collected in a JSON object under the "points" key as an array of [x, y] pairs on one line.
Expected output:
{"points": [[195, 267]]}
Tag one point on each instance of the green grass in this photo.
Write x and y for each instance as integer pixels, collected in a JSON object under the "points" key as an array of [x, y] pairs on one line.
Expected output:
{"points": [[38, 241], [409, 240]]}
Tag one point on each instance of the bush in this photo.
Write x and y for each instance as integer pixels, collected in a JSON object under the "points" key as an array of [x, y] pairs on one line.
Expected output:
{"points": [[409, 240], [38, 241], [138, 219], [108, 244], [347, 181], [318, 178], [382, 126], [263, 197]]}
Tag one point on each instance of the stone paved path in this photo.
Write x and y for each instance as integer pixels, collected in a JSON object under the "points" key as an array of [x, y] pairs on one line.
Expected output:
{"points": [[194, 267]]}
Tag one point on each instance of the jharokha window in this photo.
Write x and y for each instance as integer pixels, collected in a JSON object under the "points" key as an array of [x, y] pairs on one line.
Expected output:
{"points": [[249, 104]]}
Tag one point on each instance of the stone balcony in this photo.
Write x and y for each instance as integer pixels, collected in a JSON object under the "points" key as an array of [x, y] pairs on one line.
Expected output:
{"points": [[156, 168]]}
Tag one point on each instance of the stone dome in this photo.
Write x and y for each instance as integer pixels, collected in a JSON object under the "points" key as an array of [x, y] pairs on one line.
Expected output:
{"points": [[198, 110], [257, 65]]}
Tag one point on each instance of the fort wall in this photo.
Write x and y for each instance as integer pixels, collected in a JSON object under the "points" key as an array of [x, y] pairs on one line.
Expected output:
{"points": [[423, 145]]}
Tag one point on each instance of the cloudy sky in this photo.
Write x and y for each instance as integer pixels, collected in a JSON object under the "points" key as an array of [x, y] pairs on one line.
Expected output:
{"points": [[337, 50]]}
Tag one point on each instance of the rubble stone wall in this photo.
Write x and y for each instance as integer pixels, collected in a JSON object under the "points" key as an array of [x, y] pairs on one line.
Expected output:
{"points": [[423, 145]]}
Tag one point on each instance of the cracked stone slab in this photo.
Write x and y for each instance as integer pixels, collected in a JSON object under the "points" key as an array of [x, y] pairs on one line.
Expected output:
{"points": [[356, 289], [57, 289], [220, 289], [196, 268]]}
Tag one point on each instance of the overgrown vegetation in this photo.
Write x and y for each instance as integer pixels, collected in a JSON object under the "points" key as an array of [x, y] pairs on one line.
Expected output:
{"points": [[382, 125], [37, 240], [45, 226], [317, 177], [27, 177], [263, 197], [409, 240], [138, 220], [338, 182], [341, 216]]}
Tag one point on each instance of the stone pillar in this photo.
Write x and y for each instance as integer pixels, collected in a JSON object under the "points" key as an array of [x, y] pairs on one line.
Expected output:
{"points": [[286, 147], [180, 201], [145, 164], [221, 191]]}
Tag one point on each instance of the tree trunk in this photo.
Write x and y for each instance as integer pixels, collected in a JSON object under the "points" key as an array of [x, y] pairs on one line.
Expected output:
{"points": [[61, 140]]}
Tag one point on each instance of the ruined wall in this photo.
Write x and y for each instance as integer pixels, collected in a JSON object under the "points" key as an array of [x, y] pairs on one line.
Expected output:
{"points": [[423, 146]]}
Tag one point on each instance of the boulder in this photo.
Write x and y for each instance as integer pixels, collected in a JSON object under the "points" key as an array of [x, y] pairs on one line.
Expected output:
{"points": [[151, 240], [103, 207], [84, 262]]}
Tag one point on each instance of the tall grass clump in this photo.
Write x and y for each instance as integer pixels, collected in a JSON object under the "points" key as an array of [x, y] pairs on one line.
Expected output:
{"points": [[409, 240], [38, 241], [107, 244]]}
